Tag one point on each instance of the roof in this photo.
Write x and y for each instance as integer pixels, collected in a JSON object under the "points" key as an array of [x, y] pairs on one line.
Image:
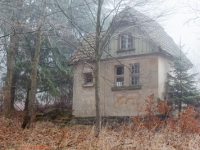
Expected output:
{"points": [[154, 30], [86, 49]]}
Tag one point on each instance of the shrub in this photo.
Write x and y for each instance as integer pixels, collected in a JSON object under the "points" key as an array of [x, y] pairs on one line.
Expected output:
{"points": [[157, 115]]}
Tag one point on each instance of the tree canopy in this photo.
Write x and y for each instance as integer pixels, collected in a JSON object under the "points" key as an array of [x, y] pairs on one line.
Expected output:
{"points": [[181, 83]]}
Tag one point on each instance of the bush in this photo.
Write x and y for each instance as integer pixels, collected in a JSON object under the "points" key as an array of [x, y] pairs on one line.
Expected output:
{"points": [[185, 123]]}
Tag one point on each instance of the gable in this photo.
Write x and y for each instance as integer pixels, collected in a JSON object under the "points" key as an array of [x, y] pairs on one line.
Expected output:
{"points": [[141, 43], [149, 37]]}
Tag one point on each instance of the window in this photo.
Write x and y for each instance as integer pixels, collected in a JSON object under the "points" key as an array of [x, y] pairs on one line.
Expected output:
{"points": [[135, 74], [126, 41], [88, 78], [119, 75]]}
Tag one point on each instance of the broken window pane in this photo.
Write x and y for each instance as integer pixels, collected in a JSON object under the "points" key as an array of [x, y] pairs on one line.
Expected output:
{"points": [[119, 75], [120, 81]]}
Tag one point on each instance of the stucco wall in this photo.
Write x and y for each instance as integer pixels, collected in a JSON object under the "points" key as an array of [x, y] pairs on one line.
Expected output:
{"points": [[153, 70], [83, 97], [153, 75], [163, 69]]}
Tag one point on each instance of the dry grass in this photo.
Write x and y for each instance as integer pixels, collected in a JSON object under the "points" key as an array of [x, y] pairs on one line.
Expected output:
{"points": [[47, 135]]}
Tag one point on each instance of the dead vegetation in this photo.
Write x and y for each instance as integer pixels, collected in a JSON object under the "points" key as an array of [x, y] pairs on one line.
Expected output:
{"points": [[147, 133], [46, 135]]}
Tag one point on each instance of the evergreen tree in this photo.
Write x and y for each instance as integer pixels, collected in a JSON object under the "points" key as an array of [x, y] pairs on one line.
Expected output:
{"points": [[181, 84]]}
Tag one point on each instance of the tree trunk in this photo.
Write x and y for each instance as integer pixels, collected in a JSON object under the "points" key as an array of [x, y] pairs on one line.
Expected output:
{"points": [[27, 97], [14, 42], [180, 99], [9, 74], [180, 106], [97, 69], [33, 77], [13, 88], [97, 95]]}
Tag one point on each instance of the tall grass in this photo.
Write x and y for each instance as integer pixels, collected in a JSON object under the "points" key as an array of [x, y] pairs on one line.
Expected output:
{"points": [[83, 137], [147, 133]]}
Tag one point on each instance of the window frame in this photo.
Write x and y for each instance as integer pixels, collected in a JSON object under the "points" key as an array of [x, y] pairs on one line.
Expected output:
{"points": [[125, 40], [135, 74], [85, 82], [119, 76]]}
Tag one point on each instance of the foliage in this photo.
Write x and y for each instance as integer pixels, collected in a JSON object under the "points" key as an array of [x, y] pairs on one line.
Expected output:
{"points": [[53, 71], [185, 123], [152, 111], [181, 84], [46, 135]]}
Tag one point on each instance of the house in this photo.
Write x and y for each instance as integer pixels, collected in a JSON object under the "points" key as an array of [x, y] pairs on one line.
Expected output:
{"points": [[134, 65]]}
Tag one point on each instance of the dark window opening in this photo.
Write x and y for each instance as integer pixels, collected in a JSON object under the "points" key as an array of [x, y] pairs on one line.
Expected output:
{"points": [[119, 76], [120, 70], [88, 78]]}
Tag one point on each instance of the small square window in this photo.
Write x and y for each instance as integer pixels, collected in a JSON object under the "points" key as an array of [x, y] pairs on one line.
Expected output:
{"points": [[88, 78]]}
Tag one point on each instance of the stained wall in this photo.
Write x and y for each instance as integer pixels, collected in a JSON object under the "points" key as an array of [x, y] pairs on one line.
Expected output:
{"points": [[126, 102]]}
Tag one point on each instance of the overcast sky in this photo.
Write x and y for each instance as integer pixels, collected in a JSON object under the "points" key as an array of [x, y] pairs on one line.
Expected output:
{"points": [[178, 27]]}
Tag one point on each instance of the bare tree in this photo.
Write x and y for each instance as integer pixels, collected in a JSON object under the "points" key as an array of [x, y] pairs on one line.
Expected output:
{"points": [[99, 15], [193, 8], [13, 46], [33, 76]]}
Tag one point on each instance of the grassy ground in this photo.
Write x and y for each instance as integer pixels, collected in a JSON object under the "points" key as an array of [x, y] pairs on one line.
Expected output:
{"points": [[46, 135]]}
